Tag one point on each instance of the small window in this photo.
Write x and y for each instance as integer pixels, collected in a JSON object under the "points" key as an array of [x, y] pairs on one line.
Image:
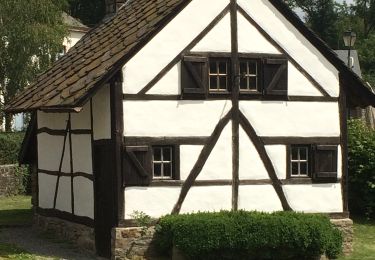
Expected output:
{"points": [[219, 75], [249, 71], [162, 160], [299, 161]]}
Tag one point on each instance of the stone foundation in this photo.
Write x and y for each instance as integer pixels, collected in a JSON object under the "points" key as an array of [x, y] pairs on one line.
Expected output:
{"points": [[80, 235], [135, 243], [10, 182]]}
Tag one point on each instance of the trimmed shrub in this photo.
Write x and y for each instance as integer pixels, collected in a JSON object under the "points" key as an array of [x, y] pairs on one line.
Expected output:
{"points": [[249, 235], [10, 144], [361, 144]]}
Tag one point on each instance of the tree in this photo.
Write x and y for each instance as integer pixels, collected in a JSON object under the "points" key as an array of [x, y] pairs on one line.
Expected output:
{"points": [[90, 12], [31, 35], [365, 9]]}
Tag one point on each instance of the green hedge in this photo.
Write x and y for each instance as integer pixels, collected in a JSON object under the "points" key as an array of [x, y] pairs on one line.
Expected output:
{"points": [[10, 144], [249, 235], [361, 144]]}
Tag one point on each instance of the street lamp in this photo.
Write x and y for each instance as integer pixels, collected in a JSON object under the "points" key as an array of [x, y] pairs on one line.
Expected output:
{"points": [[349, 40]]}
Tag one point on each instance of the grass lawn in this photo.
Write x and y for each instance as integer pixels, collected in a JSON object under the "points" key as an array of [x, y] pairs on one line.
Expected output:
{"points": [[15, 210], [8, 251]]}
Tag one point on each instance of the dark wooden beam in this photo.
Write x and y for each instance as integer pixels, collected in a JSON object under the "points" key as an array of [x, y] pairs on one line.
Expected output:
{"points": [[269, 140], [181, 140]]}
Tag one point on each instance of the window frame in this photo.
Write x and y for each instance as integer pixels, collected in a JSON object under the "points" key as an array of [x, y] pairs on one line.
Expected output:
{"points": [[309, 161], [174, 162], [258, 76], [228, 74]]}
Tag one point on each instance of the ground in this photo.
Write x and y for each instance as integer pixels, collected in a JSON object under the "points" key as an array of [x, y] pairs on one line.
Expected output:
{"points": [[19, 241]]}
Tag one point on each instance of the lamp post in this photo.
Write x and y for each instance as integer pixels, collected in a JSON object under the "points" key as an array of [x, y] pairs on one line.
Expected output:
{"points": [[349, 40]]}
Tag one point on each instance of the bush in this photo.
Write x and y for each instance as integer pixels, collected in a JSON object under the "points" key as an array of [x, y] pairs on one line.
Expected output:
{"points": [[249, 235], [10, 144], [361, 144]]}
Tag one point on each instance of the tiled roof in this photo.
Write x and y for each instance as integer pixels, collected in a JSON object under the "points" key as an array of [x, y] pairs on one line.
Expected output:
{"points": [[97, 56]]}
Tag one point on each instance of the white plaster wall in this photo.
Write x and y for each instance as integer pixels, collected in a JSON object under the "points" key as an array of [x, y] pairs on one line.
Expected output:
{"points": [[49, 152], [83, 197], [169, 84], [250, 40], [299, 85], [72, 39], [218, 39], [173, 118], [101, 108], [82, 156], [63, 199], [169, 42], [277, 154], [82, 120], [208, 199], [46, 184], [304, 119], [315, 197], [258, 197], [188, 156], [294, 43], [219, 164], [56, 121], [251, 166]]}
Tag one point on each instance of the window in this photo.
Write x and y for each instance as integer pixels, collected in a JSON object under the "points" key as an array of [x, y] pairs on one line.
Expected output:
{"points": [[162, 161], [299, 161], [249, 72], [219, 75]]}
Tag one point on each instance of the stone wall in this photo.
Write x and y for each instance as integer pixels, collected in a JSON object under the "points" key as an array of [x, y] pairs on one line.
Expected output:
{"points": [[80, 235], [10, 182], [135, 243]]}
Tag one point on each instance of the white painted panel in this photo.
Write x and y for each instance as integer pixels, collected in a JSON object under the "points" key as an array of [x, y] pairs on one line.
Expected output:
{"points": [[50, 151], [82, 120], [63, 200], [169, 42], [46, 185], [281, 118], [251, 166], [258, 197], [154, 201], [315, 197], [173, 118], [83, 197], [277, 26], [277, 154], [208, 199], [169, 84], [299, 85], [52, 120], [250, 40], [188, 156], [218, 39], [82, 158], [102, 114], [219, 163]]}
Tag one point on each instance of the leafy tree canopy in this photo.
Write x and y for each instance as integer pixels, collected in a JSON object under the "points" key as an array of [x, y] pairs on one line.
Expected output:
{"points": [[90, 12]]}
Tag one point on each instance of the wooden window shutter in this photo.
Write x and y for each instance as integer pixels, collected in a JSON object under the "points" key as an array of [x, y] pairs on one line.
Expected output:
{"points": [[137, 169], [194, 76], [275, 77], [325, 162]]}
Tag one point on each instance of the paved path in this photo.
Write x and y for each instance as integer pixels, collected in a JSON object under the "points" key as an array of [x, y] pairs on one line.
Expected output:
{"points": [[36, 243]]}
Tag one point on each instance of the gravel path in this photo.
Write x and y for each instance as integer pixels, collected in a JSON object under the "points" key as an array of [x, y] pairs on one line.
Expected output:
{"points": [[40, 244]]}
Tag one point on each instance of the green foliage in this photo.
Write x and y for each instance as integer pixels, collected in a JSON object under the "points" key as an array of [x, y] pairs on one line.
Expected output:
{"points": [[90, 12], [361, 144], [142, 220], [10, 144], [249, 235]]}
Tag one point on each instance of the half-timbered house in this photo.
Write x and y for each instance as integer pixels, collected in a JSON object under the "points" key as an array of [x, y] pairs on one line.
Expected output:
{"points": [[181, 106]]}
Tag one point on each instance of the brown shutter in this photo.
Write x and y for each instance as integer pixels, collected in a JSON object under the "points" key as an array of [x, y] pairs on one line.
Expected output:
{"points": [[137, 166], [194, 76], [275, 77], [325, 157]]}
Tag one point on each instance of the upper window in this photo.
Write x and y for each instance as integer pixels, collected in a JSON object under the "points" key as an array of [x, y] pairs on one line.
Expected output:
{"points": [[162, 162], [249, 71], [299, 161], [219, 75]]}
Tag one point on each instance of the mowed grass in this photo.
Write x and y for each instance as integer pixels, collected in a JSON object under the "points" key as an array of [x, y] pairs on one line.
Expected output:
{"points": [[15, 211], [364, 240]]}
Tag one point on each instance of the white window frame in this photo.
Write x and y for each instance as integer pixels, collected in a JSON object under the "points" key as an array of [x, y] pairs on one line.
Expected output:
{"points": [[218, 75], [299, 160], [162, 162]]}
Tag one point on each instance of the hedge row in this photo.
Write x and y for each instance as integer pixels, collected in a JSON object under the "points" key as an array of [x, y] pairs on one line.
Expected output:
{"points": [[249, 235], [10, 144]]}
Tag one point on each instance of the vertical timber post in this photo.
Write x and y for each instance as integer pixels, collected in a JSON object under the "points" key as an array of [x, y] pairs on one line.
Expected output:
{"points": [[235, 80]]}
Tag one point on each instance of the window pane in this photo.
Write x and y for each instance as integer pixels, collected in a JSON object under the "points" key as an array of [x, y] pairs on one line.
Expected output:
{"points": [[167, 154], [303, 168], [223, 83], [157, 154], [222, 67], [252, 83], [303, 153], [253, 68], [167, 169], [157, 169], [294, 168], [243, 68], [294, 153], [243, 83], [213, 82], [213, 69]]}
